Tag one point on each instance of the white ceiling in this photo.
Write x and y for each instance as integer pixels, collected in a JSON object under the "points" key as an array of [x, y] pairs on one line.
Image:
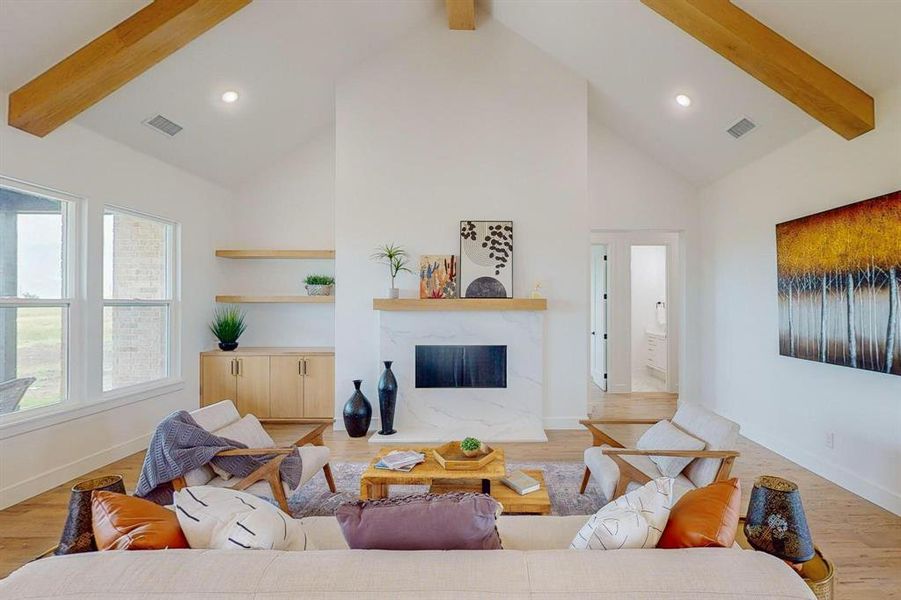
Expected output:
{"points": [[284, 57]]}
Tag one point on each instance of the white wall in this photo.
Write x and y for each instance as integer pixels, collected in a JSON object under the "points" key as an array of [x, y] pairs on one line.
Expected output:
{"points": [[630, 192], [289, 205], [789, 405], [448, 126], [80, 162]]}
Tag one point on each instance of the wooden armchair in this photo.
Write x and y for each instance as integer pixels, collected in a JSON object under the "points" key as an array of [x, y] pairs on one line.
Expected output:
{"points": [[616, 467], [269, 472]]}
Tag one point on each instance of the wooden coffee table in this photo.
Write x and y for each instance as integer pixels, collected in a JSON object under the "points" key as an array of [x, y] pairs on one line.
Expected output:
{"points": [[374, 482], [535, 503]]}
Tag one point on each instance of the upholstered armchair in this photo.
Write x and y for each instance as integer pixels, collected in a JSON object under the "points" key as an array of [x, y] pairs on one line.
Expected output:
{"points": [[223, 419], [618, 470]]}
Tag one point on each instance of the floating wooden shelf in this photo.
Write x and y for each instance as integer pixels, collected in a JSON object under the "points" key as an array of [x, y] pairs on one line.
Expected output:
{"points": [[471, 304], [276, 299], [292, 254]]}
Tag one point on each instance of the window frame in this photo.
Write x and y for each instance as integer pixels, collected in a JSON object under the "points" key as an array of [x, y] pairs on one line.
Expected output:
{"points": [[172, 303], [69, 300]]}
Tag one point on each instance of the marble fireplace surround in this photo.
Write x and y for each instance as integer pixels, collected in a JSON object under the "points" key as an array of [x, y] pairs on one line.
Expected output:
{"points": [[511, 414]]}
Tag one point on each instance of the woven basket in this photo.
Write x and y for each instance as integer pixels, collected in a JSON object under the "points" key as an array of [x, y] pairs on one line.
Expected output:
{"points": [[819, 575], [320, 290]]}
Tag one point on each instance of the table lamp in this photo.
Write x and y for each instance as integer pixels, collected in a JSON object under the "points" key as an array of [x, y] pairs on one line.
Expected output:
{"points": [[776, 523]]}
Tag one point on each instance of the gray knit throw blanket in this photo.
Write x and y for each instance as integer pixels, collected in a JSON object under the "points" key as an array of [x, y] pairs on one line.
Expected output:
{"points": [[179, 445]]}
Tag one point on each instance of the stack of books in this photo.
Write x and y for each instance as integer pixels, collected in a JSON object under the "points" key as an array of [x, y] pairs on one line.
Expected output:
{"points": [[400, 460], [521, 483]]}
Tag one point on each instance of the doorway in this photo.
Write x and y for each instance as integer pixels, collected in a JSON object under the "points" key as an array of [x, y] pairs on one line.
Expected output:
{"points": [[598, 349], [648, 327]]}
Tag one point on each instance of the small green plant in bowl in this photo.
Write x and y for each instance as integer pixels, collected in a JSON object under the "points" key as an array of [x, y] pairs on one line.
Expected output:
{"points": [[228, 325], [471, 447], [320, 285]]}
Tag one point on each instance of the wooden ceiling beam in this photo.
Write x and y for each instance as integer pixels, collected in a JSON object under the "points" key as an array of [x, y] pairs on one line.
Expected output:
{"points": [[461, 14], [774, 61], [110, 61]]}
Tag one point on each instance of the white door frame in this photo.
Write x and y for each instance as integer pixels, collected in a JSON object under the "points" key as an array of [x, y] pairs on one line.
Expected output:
{"points": [[619, 310], [598, 332]]}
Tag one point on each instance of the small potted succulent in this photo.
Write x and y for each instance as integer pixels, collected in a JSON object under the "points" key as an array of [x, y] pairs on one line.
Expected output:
{"points": [[396, 259], [320, 285], [228, 325], [471, 447]]}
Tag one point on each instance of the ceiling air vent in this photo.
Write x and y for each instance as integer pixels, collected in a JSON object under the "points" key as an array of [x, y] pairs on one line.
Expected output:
{"points": [[163, 125], [744, 126]]}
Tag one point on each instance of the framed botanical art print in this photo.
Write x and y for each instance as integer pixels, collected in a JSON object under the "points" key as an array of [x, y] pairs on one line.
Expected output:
{"points": [[486, 259], [438, 276]]}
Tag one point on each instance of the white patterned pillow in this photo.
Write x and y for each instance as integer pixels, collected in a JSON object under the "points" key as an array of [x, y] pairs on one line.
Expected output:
{"points": [[666, 436], [224, 519], [635, 520]]}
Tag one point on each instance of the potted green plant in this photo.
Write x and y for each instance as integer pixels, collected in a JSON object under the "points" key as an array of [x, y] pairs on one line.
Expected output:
{"points": [[396, 258], [319, 285], [471, 447], [228, 325]]}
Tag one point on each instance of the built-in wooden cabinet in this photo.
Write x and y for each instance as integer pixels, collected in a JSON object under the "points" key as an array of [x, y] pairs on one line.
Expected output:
{"points": [[274, 384]]}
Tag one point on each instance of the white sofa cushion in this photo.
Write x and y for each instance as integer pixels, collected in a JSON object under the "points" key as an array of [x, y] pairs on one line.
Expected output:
{"points": [[666, 436], [219, 518], [718, 432], [634, 520], [248, 431]]}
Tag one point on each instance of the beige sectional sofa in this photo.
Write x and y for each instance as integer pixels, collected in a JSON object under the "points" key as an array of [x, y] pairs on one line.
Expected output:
{"points": [[534, 564]]}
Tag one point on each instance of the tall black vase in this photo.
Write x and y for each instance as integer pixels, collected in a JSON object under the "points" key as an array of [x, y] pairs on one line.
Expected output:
{"points": [[357, 412], [387, 399]]}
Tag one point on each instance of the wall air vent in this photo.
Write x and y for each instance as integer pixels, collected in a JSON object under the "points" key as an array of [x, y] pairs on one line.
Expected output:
{"points": [[745, 125], [163, 125]]}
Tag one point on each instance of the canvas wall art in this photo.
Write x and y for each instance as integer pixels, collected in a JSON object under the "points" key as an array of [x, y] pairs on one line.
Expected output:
{"points": [[486, 259], [438, 276], [839, 277]]}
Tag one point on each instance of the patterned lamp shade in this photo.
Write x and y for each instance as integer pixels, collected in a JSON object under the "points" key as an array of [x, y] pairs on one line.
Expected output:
{"points": [[78, 534], [776, 523]]}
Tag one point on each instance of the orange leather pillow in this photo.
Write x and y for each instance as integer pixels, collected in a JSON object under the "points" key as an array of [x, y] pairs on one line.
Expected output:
{"points": [[705, 517], [123, 522]]}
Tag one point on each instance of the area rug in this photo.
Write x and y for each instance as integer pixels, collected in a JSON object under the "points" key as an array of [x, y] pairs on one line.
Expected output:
{"points": [[562, 478]]}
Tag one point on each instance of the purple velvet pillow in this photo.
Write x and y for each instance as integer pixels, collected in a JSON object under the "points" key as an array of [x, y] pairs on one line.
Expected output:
{"points": [[455, 521]]}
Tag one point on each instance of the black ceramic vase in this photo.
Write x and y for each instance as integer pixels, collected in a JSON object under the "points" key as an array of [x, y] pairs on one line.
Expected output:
{"points": [[357, 412], [228, 346], [387, 399]]}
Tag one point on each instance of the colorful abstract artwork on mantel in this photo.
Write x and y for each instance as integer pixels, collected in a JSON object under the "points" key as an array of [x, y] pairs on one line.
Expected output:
{"points": [[486, 259], [438, 276], [839, 277]]}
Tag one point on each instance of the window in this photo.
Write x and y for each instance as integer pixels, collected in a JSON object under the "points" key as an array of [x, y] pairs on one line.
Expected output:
{"points": [[138, 255], [35, 298]]}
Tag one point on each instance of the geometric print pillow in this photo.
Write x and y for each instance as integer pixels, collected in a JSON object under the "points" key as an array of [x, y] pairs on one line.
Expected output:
{"points": [[635, 520], [224, 519]]}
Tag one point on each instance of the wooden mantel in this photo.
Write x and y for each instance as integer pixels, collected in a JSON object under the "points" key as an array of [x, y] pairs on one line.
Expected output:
{"points": [[459, 304]]}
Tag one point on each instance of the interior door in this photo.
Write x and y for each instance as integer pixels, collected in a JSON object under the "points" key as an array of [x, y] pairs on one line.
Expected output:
{"points": [[218, 380], [599, 315], [319, 387], [285, 387], [253, 386]]}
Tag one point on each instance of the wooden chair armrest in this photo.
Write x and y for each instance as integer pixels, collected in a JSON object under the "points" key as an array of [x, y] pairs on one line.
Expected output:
{"points": [[255, 451], [682, 453], [587, 422], [315, 436]]}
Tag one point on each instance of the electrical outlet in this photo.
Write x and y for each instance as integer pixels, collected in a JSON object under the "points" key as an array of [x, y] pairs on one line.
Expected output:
{"points": [[830, 440]]}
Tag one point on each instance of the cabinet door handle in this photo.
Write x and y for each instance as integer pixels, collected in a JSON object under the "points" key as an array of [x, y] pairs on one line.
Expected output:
{"points": [[305, 367], [238, 361], [300, 367], [231, 366]]}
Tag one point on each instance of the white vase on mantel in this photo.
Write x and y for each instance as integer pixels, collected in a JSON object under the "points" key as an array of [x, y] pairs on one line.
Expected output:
{"points": [[393, 293]]}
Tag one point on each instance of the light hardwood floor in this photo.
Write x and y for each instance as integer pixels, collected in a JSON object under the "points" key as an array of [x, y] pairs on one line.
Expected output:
{"points": [[863, 540]]}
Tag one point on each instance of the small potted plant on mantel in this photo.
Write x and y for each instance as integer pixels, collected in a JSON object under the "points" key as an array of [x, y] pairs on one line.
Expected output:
{"points": [[319, 285], [396, 258], [228, 325]]}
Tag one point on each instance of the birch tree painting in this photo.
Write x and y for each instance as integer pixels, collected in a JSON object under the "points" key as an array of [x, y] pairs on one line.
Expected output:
{"points": [[839, 278]]}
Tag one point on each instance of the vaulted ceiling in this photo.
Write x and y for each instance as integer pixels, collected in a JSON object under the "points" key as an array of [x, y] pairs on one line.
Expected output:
{"points": [[284, 58]]}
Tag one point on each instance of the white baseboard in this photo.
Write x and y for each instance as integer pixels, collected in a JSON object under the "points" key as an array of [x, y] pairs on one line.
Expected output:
{"points": [[837, 474], [562, 422], [42, 482]]}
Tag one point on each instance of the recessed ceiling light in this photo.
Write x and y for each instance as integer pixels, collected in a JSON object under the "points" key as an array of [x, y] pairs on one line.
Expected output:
{"points": [[681, 100], [230, 96]]}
